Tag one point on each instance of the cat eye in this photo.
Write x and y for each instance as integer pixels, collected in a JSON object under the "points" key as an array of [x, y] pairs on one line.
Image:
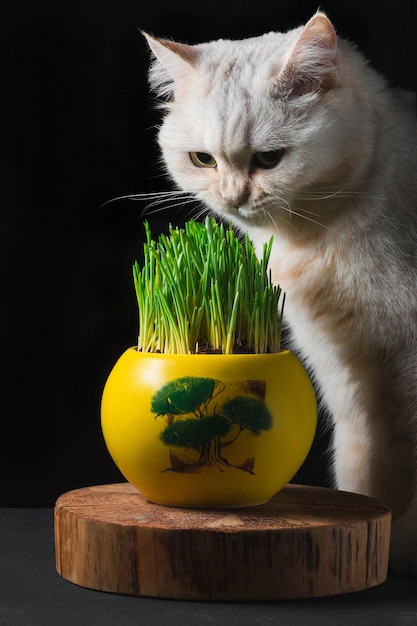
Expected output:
{"points": [[267, 160], [202, 159]]}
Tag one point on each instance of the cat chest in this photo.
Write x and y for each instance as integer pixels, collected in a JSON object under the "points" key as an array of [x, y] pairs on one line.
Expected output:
{"points": [[317, 289]]}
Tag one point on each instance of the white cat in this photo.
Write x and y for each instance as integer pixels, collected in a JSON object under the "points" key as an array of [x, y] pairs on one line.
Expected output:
{"points": [[294, 135]]}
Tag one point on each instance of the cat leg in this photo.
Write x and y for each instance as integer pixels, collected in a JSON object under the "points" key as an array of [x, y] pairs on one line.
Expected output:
{"points": [[382, 468], [397, 471], [351, 452]]}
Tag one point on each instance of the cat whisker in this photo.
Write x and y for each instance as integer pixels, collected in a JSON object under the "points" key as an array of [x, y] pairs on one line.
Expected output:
{"points": [[153, 195], [202, 210], [290, 223], [159, 200], [174, 203], [302, 214], [285, 206], [306, 212], [271, 219], [309, 219], [331, 192]]}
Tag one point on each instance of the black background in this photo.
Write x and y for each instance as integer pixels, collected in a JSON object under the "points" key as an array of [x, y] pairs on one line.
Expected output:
{"points": [[77, 129]]}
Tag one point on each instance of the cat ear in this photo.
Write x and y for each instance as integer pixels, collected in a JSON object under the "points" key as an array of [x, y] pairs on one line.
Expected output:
{"points": [[311, 64], [174, 63]]}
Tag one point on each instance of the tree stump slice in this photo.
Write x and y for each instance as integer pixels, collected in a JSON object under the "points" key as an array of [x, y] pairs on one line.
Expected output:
{"points": [[305, 542]]}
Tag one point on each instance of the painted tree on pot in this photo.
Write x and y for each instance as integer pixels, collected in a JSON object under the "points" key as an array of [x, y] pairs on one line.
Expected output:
{"points": [[205, 426]]}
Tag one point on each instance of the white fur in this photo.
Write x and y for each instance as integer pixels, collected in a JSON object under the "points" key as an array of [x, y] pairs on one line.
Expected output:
{"points": [[341, 206]]}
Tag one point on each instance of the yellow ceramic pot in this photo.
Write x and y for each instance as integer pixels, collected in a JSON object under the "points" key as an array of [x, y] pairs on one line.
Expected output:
{"points": [[208, 430]]}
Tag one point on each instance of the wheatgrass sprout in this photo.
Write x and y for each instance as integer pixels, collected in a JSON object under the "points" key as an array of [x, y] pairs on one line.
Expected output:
{"points": [[200, 290]]}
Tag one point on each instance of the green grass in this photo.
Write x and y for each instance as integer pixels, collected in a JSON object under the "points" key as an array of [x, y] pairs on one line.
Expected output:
{"points": [[201, 289]]}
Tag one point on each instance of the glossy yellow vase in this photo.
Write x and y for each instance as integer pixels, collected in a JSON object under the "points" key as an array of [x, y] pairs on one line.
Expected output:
{"points": [[208, 430]]}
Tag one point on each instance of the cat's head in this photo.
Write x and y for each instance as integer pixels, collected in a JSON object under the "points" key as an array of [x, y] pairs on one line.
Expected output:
{"points": [[254, 127]]}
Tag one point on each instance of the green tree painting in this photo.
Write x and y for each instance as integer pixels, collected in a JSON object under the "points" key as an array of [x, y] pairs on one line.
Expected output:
{"points": [[197, 419]]}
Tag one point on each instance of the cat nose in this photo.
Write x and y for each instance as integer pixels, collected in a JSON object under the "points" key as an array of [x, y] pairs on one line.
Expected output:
{"points": [[234, 189], [238, 198], [237, 202]]}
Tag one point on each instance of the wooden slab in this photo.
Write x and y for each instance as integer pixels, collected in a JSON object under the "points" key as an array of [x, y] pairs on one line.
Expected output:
{"points": [[306, 542]]}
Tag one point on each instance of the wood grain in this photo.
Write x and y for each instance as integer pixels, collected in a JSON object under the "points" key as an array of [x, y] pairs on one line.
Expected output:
{"points": [[306, 542]]}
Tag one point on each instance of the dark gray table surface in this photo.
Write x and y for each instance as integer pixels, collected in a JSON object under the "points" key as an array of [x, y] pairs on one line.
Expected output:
{"points": [[33, 594]]}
